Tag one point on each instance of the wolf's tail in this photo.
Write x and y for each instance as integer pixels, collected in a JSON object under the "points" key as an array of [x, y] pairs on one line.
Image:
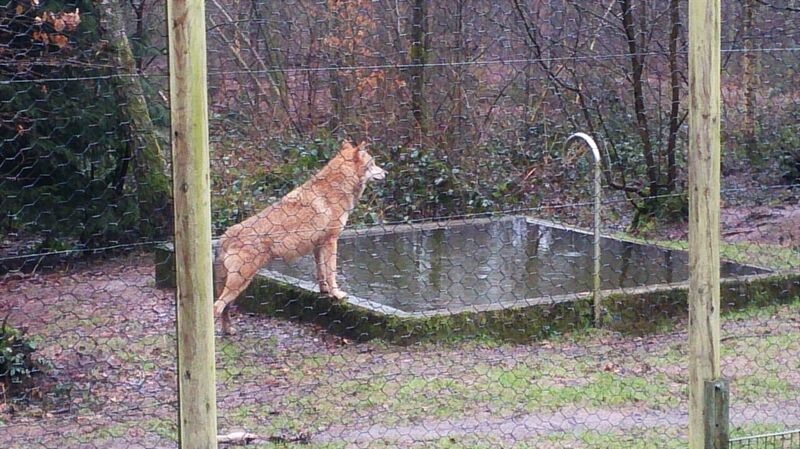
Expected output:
{"points": [[220, 274]]}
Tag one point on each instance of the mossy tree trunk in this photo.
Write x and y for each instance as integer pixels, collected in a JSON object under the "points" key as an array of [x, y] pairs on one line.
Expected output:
{"points": [[152, 190]]}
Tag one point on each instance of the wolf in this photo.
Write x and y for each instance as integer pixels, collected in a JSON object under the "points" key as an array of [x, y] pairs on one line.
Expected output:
{"points": [[308, 219]]}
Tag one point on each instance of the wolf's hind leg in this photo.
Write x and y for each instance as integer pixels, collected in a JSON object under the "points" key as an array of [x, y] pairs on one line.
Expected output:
{"points": [[240, 269]]}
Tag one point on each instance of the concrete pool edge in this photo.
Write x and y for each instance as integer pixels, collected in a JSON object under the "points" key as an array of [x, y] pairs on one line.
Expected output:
{"points": [[362, 320], [632, 311]]}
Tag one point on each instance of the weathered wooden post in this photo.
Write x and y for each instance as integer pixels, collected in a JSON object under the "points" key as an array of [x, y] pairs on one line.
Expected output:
{"points": [[190, 165], [704, 159]]}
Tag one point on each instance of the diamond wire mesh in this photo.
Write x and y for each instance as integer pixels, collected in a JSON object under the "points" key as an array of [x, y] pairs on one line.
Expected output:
{"points": [[84, 195], [466, 105]]}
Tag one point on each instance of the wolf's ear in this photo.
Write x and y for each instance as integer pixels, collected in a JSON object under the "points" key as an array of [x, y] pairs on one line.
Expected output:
{"points": [[361, 151]]}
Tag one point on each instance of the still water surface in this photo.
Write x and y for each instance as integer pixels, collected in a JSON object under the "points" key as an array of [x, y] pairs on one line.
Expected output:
{"points": [[504, 260]]}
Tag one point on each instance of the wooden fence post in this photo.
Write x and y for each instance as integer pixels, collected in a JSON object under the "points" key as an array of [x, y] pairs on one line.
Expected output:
{"points": [[704, 157], [197, 425], [717, 426]]}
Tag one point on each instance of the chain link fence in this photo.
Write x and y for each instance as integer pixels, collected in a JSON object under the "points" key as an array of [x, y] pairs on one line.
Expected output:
{"points": [[469, 268]]}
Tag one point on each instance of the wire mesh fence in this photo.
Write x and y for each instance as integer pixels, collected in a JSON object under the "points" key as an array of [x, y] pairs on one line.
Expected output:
{"points": [[468, 269]]}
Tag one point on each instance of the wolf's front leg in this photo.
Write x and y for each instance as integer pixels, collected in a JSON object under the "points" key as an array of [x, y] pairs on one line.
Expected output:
{"points": [[319, 259], [326, 269]]}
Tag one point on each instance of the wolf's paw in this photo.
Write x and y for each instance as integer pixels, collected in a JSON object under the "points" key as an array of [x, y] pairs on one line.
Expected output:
{"points": [[219, 309], [226, 328], [337, 294]]}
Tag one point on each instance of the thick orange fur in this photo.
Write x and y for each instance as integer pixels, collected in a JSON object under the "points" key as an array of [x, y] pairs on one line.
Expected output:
{"points": [[308, 219]]}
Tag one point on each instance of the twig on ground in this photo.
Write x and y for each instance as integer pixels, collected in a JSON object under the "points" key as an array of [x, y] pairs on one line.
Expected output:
{"points": [[244, 438]]}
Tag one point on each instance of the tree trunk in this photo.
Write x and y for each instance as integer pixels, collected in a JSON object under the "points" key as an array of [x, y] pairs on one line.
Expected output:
{"points": [[336, 79], [675, 87], [637, 72], [749, 63], [418, 57], [149, 168]]}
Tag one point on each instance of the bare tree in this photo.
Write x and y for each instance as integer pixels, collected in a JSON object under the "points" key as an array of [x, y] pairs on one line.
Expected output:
{"points": [[418, 55], [749, 67]]}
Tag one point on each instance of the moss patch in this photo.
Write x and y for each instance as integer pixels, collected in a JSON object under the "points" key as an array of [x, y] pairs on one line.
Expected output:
{"points": [[275, 298]]}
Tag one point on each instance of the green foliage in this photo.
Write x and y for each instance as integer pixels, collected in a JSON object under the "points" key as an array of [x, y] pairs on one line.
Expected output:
{"points": [[62, 174], [664, 209], [66, 161], [623, 142], [427, 183], [303, 160], [16, 365], [772, 152], [423, 183], [787, 146]]}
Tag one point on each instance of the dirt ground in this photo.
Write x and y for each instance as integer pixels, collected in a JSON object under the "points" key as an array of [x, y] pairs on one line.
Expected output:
{"points": [[774, 225], [107, 335]]}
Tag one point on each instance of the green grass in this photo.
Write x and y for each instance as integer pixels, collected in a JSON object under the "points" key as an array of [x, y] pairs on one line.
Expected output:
{"points": [[757, 388], [770, 256], [632, 439], [241, 359], [776, 257], [380, 384], [503, 391], [166, 428], [756, 429], [762, 311], [104, 433], [130, 430], [764, 363], [763, 442], [436, 384], [300, 445], [521, 387]]}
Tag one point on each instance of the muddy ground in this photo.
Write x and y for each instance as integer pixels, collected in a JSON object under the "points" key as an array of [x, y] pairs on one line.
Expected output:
{"points": [[107, 335]]}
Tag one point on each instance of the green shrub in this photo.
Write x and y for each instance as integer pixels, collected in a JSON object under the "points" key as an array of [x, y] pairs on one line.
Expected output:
{"points": [[788, 148], [17, 366], [67, 158], [422, 183]]}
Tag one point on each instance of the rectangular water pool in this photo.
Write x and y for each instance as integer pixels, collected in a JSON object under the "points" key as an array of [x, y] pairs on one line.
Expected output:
{"points": [[454, 265]]}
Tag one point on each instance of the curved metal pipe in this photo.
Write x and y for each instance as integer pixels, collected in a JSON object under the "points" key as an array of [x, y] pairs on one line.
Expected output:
{"points": [[598, 310]]}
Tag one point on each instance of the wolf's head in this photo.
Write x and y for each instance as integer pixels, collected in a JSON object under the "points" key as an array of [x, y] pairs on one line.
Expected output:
{"points": [[365, 164]]}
